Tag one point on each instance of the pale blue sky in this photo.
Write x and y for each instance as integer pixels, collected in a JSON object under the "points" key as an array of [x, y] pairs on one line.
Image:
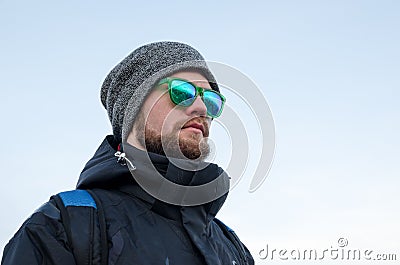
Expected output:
{"points": [[329, 70]]}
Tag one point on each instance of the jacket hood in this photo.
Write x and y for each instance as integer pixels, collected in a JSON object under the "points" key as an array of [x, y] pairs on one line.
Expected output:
{"points": [[102, 170]]}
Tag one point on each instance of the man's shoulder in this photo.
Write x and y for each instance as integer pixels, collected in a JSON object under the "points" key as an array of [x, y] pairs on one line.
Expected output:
{"points": [[48, 210], [46, 219]]}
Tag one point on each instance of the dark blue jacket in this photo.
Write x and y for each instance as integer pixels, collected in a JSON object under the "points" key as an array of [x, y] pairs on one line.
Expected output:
{"points": [[140, 228]]}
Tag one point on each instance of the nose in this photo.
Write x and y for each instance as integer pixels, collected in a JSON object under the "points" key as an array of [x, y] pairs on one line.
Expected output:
{"points": [[198, 108]]}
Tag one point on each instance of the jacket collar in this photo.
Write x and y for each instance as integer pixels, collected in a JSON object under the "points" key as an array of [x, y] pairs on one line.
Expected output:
{"points": [[103, 171]]}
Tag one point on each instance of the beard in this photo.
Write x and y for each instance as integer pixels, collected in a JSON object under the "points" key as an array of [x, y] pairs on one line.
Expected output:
{"points": [[174, 144]]}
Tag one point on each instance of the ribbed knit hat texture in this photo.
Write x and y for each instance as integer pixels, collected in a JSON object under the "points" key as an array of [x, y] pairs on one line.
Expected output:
{"points": [[127, 85]]}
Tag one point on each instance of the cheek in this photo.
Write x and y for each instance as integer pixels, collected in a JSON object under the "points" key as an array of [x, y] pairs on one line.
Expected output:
{"points": [[159, 114], [155, 120]]}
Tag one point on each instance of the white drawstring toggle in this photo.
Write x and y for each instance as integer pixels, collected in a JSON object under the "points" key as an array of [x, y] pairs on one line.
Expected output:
{"points": [[122, 159]]}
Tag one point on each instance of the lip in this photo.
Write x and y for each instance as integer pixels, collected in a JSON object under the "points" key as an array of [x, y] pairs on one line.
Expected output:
{"points": [[193, 130], [197, 126]]}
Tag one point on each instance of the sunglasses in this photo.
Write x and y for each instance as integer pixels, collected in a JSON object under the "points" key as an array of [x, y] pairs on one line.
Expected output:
{"points": [[184, 93]]}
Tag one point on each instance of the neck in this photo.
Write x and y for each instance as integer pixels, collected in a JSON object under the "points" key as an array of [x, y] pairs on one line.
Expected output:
{"points": [[132, 140]]}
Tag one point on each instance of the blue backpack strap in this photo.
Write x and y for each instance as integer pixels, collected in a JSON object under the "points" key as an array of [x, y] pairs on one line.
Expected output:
{"points": [[231, 235], [84, 223], [77, 198]]}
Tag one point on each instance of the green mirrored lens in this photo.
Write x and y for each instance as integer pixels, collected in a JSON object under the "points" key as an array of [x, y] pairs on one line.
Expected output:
{"points": [[182, 93], [213, 102]]}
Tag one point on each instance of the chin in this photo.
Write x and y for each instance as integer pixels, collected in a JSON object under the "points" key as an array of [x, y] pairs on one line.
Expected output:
{"points": [[194, 148]]}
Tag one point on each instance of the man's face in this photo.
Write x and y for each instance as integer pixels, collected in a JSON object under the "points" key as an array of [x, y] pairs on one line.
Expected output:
{"points": [[165, 128]]}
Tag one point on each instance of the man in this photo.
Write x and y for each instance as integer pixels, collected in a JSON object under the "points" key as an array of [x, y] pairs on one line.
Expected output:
{"points": [[161, 100]]}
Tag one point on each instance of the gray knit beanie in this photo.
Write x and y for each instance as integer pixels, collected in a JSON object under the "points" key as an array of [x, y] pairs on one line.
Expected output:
{"points": [[127, 85]]}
